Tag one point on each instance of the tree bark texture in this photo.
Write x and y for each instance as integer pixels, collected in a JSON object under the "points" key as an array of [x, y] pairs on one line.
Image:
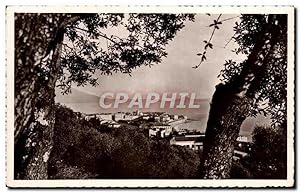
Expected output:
{"points": [[34, 93], [227, 113]]}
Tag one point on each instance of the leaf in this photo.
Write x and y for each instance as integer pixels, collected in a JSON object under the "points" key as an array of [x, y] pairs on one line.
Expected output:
{"points": [[205, 41], [210, 45], [217, 27], [199, 54], [208, 14]]}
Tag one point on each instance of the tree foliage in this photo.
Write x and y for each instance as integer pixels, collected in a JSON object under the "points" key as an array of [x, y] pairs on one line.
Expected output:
{"points": [[89, 46], [268, 157], [270, 89]]}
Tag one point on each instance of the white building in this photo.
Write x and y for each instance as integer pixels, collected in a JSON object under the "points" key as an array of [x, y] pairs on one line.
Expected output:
{"points": [[89, 117], [174, 117], [125, 117], [242, 139], [242, 147], [181, 131], [165, 118], [146, 117], [239, 154], [157, 118], [110, 123], [105, 116], [160, 130], [194, 143], [157, 132], [195, 135]]}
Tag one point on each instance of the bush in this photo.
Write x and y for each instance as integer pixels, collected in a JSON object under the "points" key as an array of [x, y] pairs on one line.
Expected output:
{"points": [[268, 158], [239, 171]]}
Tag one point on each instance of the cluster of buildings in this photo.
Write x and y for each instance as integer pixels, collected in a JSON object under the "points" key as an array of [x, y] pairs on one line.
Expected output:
{"points": [[168, 118], [193, 139], [111, 119], [163, 120], [166, 126], [163, 125], [115, 116]]}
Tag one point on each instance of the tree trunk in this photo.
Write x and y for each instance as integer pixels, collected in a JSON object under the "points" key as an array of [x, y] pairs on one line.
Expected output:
{"points": [[232, 103], [34, 98], [227, 113], [30, 48], [37, 168]]}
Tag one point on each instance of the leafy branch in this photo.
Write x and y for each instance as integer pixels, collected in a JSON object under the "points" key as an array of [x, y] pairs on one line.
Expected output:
{"points": [[208, 43], [230, 18]]}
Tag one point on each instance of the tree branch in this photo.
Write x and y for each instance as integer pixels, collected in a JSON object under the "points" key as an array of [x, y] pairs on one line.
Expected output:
{"points": [[230, 39], [100, 34], [208, 43]]}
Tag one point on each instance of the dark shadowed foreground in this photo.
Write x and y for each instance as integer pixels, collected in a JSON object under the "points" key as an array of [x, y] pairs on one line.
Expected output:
{"points": [[85, 149]]}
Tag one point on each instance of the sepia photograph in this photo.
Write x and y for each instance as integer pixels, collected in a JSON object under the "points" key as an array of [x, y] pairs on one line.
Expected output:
{"points": [[150, 96]]}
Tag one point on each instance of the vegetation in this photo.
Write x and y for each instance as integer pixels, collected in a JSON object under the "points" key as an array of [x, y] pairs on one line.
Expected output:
{"points": [[268, 158], [84, 149], [87, 150]]}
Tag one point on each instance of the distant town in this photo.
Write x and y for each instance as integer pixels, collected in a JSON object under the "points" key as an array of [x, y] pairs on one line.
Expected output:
{"points": [[162, 125]]}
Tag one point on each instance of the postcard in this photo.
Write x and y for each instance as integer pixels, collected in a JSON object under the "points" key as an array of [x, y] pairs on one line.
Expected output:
{"points": [[150, 96]]}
